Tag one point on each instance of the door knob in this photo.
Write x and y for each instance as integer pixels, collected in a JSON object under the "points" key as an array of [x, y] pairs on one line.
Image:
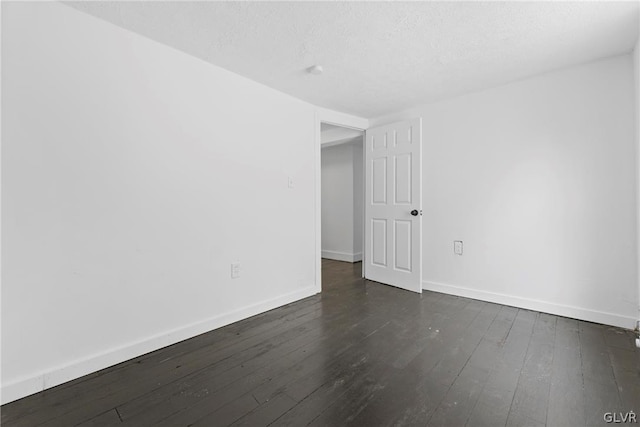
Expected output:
{"points": [[414, 212]]}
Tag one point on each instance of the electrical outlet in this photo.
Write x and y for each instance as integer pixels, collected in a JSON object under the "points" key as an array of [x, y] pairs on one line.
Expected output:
{"points": [[457, 247], [235, 270]]}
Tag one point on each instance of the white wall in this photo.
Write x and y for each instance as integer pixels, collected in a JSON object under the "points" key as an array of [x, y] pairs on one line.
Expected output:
{"points": [[342, 201], [132, 176], [636, 75], [538, 179]]}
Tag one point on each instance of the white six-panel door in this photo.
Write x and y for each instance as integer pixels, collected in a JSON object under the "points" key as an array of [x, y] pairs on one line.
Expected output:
{"points": [[393, 235]]}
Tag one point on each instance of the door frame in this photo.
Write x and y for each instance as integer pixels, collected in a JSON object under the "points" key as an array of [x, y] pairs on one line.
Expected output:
{"points": [[338, 119]]}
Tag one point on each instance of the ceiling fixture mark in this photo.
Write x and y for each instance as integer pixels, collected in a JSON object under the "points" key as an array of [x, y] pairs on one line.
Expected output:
{"points": [[315, 70]]}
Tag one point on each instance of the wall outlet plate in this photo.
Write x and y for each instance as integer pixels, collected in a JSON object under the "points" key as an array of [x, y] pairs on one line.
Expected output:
{"points": [[235, 270], [457, 247]]}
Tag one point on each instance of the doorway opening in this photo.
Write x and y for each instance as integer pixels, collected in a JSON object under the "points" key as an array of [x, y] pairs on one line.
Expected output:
{"points": [[342, 195]]}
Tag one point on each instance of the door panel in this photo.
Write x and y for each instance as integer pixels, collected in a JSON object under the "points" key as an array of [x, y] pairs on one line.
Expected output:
{"points": [[393, 240], [402, 254], [379, 242], [379, 179], [403, 179]]}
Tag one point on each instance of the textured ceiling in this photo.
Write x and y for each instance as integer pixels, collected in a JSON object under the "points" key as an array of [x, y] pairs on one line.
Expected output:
{"points": [[381, 57]]}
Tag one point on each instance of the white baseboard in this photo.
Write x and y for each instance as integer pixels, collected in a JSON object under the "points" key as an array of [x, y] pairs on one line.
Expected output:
{"points": [[55, 376], [342, 256], [589, 315]]}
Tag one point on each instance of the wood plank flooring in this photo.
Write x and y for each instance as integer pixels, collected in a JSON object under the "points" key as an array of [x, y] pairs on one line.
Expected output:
{"points": [[362, 354]]}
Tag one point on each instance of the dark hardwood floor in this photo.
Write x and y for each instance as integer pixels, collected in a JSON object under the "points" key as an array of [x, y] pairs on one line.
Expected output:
{"points": [[363, 354]]}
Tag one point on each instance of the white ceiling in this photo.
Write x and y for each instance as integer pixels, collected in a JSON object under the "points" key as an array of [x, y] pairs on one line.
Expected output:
{"points": [[381, 57], [331, 135]]}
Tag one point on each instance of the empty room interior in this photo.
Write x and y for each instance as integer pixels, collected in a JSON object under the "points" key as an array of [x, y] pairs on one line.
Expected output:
{"points": [[320, 213]]}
